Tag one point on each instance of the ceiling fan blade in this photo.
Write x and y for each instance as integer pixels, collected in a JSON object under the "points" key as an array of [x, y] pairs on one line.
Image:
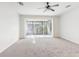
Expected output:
{"points": [[47, 3], [45, 10], [56, 5], [51, 9], [21, 3], [41, 8]]}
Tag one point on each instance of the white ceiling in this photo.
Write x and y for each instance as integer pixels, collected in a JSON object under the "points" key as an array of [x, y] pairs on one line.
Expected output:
{"points": [[31, 8]]}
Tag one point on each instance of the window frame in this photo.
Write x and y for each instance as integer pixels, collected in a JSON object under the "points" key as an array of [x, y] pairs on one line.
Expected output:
{"points": [[31, 36]]}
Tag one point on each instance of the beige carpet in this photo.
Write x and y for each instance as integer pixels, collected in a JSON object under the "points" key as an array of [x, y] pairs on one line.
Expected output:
{"points": [[42, 48]]}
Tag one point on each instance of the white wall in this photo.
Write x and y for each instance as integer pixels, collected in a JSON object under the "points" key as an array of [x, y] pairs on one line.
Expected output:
{"points": [[8, 24], [69, 25]]}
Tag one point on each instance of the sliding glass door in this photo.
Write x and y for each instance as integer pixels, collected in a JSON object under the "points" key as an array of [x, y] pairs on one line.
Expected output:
{"points": [[38, 27]]}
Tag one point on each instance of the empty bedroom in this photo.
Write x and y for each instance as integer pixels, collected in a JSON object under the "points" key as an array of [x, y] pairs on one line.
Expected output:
{"points": [[39, 29]]}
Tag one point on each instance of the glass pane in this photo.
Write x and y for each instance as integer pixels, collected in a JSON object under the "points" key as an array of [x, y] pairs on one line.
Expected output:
{"points": [[29, 29], [45, 29], [38, 29]]}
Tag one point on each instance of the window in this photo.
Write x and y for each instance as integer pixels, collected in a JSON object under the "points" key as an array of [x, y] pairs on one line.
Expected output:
{"points": [[39, 27]]}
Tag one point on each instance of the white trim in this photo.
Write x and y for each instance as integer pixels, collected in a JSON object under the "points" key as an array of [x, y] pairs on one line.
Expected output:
{"points": [[35, 36]]}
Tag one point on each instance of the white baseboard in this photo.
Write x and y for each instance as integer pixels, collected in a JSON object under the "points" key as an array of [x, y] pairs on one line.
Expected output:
{"points": [[70, 39], [7, 46]]}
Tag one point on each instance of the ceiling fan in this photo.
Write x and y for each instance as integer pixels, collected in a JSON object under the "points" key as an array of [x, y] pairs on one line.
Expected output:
{"points": [[48, 7]]}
